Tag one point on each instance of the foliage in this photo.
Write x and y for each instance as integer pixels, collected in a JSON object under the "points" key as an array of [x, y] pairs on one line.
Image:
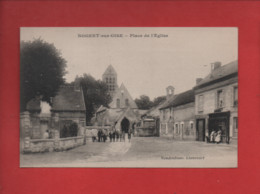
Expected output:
{"points": [[41, 71], [158, 100], [95, 94], [144, 102]]}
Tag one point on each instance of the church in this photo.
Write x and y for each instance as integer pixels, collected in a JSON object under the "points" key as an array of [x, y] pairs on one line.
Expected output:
{"points": [[122, 111]]}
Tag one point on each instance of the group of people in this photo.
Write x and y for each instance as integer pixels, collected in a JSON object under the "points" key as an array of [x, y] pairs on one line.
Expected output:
{"points": [[215, 136], [114, 135]]}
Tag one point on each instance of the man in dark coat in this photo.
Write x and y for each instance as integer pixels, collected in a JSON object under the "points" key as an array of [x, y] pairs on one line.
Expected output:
{"points": [[99, 135], [110, 136], [114, 136], [117, 135]]}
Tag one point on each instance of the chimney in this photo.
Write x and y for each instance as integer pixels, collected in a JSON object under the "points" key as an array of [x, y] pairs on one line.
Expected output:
{"points": [[198, 80], [169, 92], [215, 65]]}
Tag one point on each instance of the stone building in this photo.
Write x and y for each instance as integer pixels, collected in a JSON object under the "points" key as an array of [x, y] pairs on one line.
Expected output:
{"points": [[122, 111], [216, 102], [67, 106], [177, 116]]}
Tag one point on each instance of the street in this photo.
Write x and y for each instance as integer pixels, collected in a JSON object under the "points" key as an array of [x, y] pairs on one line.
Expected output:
{"points": [[140, 152]]}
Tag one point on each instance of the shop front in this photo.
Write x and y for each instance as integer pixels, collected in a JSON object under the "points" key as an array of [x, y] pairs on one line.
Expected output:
{"points": [[220, 122]]}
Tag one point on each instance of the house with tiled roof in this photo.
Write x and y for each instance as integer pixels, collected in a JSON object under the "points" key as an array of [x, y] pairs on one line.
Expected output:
{"points": [[216, 102], [69, 105], [177, 116]]}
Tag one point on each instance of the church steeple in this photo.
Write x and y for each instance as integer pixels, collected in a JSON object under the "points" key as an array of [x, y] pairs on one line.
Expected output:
{"points": [[110, 78]]}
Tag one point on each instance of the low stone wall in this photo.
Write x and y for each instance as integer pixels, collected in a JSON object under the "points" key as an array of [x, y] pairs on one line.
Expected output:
{"points": [[50, 145]]}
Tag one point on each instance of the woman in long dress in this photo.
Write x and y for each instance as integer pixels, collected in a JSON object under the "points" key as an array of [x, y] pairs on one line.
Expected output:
{"points": [[218, 137]]}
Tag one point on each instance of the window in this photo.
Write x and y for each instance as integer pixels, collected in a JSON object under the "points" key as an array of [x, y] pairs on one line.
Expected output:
{"points": [[200, 103], [191, 128], [176, 128], [118, 103], [164, 114], [126, 102], [182, 127], [106, 80], [235, 96], [220, 99]]}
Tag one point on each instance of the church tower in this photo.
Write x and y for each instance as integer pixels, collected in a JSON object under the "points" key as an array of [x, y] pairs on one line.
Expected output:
{"points": [[110, 78]]}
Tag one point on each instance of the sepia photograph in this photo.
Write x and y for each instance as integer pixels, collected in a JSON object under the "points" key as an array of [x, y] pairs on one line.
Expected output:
{"points": [[129, 97]]}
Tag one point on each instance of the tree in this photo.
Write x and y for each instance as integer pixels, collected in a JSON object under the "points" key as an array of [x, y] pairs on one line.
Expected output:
{"points": [[158, 100], [42, 70], [95, 94], [144, 102]]}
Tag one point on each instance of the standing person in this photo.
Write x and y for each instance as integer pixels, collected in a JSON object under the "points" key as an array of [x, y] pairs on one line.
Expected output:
{"points": [[123, 135], [99, 135], [117, 135], [212, 136], [46, 134], [114, 136], [129, 135], [104, 136], [120, 135], [110, 136], [218, 136]]}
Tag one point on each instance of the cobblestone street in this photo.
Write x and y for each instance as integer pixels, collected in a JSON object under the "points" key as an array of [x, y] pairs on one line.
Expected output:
{"points": [[140, 152]]}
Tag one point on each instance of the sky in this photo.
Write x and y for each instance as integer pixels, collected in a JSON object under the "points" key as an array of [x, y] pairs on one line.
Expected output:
{"points": [[146, 60]]}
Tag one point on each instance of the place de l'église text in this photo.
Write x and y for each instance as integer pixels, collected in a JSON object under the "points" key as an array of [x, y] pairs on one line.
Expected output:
{"points": [[152, 35]]}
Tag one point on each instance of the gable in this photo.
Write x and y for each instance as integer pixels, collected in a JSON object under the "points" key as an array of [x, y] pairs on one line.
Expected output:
{"points": [[122, 95]]}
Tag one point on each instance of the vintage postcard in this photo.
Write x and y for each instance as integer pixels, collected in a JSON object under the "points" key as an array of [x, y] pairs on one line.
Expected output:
{"points": [[137, 97]]}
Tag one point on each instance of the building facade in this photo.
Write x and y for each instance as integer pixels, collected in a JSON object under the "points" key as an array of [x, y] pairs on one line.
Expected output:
{"points": [[216, 103], [122, 112], [69, 106], [177, 116]]}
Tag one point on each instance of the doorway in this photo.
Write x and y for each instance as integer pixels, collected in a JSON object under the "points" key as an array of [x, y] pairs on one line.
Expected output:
{"points": [[125, 125], [200, 130]]}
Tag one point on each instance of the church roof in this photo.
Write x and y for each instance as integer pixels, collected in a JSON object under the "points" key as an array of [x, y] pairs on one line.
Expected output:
{"points": [[110, 70], [122, 94], [111, 116], [69, 99]]}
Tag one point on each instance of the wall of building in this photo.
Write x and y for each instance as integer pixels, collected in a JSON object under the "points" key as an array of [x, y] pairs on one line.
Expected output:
{"points": [[77, 117], [184, 121], [210, 102], [166, 122], [210, 99]]}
